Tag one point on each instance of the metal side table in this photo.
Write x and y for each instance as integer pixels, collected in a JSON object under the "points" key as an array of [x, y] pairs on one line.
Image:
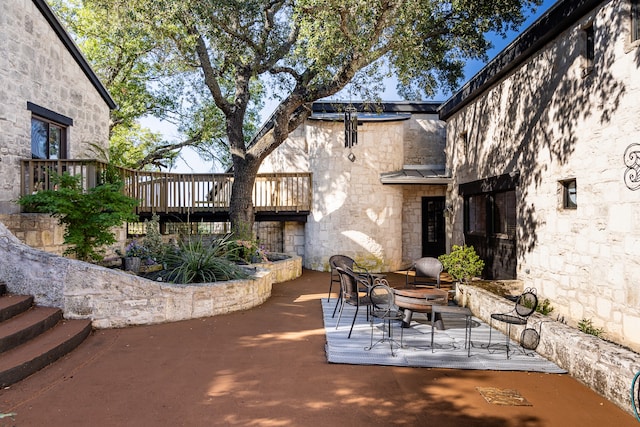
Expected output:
{"points": [[436, 316]]}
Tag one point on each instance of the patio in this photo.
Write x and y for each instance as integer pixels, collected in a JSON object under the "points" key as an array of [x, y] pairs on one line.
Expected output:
{"points": [[267, 367]]}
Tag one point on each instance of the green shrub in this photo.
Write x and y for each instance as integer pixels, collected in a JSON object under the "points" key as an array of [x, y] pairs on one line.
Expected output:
{"points": [[247, 251], [88, 216], [586, 326], [544, 307], [153, 240], [462, 263], [195, 262]]}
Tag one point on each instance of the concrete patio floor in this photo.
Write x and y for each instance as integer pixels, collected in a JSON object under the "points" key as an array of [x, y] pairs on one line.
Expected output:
{"points": [[267, 367]]}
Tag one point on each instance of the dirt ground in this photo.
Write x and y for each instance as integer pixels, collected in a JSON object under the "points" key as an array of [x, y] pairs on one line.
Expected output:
{"points": [[267, 367]]}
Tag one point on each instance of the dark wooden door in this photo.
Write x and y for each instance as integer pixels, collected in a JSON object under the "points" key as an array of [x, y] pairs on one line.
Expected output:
{"points": [[433, 232]]}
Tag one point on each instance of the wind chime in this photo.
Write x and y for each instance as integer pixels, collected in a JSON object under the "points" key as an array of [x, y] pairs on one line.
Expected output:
{"points": [[350, 130]]}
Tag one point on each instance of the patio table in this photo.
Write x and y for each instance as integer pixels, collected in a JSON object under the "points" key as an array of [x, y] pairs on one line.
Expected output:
{"points": [[419, 300]]}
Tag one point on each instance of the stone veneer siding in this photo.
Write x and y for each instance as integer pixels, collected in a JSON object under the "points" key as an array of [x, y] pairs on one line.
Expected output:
{"points": [[549, 120], [36, 67], [41, 231], [353, 213], [113, 298]]}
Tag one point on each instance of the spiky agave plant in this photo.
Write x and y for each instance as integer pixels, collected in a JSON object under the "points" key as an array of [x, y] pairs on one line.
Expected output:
{"points": [[195, 261]]}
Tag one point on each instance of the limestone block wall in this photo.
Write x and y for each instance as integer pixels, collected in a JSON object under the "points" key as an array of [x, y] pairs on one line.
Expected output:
{"points": [[353, 213], [41, 231], [602, 366], [554, 119], [36, 67], [113, 298], [424, 140], [294, 240]]}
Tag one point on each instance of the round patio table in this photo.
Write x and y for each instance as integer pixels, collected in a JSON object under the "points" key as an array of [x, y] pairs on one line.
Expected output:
{"points": [[420, 300]]}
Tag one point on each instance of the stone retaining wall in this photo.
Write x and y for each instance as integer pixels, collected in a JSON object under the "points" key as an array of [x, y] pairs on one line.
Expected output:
{"points": [[283, 270], [113, 298], [604, 367]]}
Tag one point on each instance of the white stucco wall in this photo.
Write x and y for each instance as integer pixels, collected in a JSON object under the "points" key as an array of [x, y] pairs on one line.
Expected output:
{"points": [[36, 67], [551, 120]]}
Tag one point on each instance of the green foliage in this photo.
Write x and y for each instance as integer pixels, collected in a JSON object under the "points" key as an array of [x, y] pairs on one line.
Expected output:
{"points": [[218, 57], [248, 251], [196, 262], [153, 239], [586, 326], [87, 216], [462, 263], [544, 307]]}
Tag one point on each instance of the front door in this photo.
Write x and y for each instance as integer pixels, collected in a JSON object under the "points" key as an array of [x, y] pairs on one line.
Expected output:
{"points": [[433, 232]]}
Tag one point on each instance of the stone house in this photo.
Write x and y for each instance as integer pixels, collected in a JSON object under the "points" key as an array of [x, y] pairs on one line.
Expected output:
{"points": [[53, 107], [543, 149], [380, 200]]}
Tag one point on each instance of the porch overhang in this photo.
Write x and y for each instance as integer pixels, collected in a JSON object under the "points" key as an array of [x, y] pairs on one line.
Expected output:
{"points": [[417, 175]]}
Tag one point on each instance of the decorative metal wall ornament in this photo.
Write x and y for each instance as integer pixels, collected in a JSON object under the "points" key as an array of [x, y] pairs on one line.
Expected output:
{"points": [[632, 162], [350, 127]]}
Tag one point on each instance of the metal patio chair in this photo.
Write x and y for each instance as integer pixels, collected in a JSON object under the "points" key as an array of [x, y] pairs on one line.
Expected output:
{"points": [[345, 263], [354, 290], [427, 273], [524, 307], [383, 307]]}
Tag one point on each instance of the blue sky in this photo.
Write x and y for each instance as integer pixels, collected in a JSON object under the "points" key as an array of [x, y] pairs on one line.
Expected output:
{"points": [[191, 163]]}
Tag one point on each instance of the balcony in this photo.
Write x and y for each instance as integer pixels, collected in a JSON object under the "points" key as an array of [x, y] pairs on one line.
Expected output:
{"points": [[184, 197]]}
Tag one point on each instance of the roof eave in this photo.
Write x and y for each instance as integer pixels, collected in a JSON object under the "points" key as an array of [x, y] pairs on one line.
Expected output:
{"points": [[556, 20], [414, 181]]}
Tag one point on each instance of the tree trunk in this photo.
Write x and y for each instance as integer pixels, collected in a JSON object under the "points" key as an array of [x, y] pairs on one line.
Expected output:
{"points": [[241, 210]]}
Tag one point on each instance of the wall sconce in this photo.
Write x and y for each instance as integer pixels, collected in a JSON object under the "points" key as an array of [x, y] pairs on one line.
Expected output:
{"points": [[351, 157]]}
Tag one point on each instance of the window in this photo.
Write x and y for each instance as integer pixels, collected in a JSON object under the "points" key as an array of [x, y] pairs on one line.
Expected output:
{"points": [[476, 209], [569, 194], [504, 213], [48, 133], [48, 140], [635, 20], [590, 48]]}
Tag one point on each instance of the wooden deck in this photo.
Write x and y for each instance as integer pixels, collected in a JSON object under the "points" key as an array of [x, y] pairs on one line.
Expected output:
{"points": [[191, 197]]}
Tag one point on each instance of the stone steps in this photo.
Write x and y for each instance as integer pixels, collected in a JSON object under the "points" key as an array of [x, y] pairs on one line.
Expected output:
{"points": [[32, 337]]}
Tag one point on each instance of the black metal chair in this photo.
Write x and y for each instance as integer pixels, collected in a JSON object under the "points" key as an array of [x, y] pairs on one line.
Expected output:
{"points": [[383, 307], [345, 263], [427, 273], [354, 290], [524, 307]]}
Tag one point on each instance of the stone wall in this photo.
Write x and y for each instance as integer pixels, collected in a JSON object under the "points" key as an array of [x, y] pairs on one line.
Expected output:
{"points": [[41, 231], [424, 140], [553, 119], [36, 67], [353, 213], [113, 298], [602, 366], [294, 238]]}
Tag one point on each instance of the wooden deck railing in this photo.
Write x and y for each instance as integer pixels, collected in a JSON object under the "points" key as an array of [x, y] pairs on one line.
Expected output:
{"points": [[174, 193]]}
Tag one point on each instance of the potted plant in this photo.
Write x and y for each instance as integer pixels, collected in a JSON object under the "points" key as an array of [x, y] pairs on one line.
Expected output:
{"points": [[462, 263], [134, 252]]}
